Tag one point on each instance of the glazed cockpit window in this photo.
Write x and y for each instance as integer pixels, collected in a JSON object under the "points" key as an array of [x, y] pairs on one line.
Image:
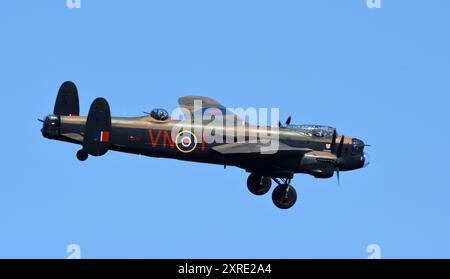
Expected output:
{"points": [[159, 114], [313, 130]]}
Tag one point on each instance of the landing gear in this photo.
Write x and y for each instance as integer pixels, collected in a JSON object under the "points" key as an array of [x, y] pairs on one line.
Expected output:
{"points": [[284, 195], [258, 185], [82, 155]]}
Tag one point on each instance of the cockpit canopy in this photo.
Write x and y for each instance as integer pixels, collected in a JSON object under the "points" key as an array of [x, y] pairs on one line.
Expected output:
{"points": [[159, 114], [313, 130]]}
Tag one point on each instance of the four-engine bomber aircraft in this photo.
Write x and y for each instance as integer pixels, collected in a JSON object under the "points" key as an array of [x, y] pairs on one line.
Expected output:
{"points": [[310, 149]]}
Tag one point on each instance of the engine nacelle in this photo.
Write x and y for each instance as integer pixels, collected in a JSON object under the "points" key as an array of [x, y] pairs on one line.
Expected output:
{"points": [[318, 169], [322, 173]]}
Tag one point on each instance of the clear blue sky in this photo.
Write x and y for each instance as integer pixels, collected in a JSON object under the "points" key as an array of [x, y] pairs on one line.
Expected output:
{"points": [[379, 74]]}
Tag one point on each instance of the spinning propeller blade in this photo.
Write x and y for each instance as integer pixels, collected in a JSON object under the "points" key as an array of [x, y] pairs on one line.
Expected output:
{"points": [[337, 174], [337, 151]]}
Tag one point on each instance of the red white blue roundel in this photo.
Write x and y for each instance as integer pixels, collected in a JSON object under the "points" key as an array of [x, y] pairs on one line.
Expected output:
{"points": [[186, 141]]}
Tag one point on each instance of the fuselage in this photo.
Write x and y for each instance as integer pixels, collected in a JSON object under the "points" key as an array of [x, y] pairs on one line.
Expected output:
{"points": [[155, 138]]}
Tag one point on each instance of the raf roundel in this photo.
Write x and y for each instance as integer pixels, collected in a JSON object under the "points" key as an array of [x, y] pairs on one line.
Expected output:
{"points": [[186, 141]]}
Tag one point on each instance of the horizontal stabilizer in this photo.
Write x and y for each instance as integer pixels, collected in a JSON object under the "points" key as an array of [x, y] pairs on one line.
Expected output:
{"points": [[97, 133], [67, 102]]}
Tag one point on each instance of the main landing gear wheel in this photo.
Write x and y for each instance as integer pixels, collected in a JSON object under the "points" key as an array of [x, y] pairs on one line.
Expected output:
{"points": [[82, 155], [284, 195], [258, 185]]}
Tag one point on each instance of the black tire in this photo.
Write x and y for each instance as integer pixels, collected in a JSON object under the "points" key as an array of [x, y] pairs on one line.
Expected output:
{"points": [[82, 155], [283, 200], [258, 185]]}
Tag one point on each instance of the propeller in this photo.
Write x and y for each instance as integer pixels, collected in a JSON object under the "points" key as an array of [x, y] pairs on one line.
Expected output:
{"points": [[338, 152], [339, 149], [40, 120], [333, 142], [337, 175]]}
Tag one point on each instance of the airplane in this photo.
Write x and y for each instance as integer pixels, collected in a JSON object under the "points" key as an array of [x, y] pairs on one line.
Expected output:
{"points": [[316, 150]]}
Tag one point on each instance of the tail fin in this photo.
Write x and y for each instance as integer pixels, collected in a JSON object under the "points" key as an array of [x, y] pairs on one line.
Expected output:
{"points": [[67, 102], [97, 133]]}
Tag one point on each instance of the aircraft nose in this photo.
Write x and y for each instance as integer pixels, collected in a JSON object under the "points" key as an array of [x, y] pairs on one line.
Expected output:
{"points": [[358, 144]]}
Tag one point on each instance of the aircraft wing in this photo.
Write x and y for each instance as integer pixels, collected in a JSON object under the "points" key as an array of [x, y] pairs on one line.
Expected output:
{"points": [[251, 157], [283, 162], [209, 108]]}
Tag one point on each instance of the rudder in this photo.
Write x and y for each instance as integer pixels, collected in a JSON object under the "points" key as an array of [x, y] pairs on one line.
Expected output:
{"points": [[97, 133], [67, 102]]}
